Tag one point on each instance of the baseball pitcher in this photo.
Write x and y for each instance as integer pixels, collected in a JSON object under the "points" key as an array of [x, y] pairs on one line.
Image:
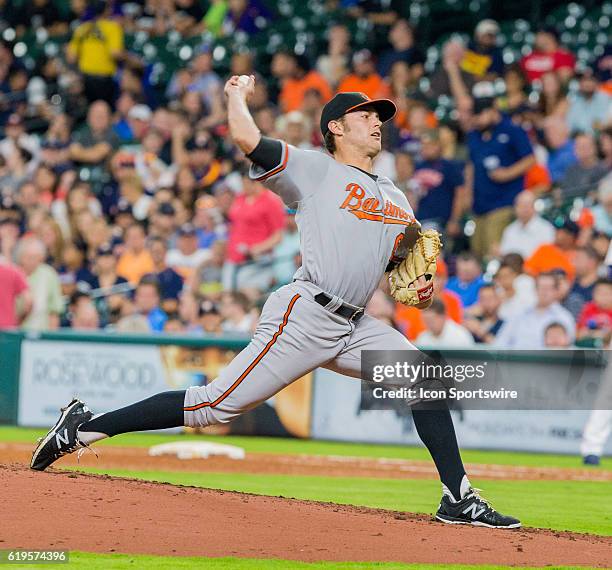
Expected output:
{"points": [[354, 227]]}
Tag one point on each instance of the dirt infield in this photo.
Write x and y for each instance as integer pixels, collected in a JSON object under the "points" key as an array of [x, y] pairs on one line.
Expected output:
{"points": [[137, 459], [105, 514]]}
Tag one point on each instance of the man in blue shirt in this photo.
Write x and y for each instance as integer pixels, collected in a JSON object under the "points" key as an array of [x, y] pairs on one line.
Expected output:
{"points": [[438, 183], [500, 155], [561, 152], [468, 280]]}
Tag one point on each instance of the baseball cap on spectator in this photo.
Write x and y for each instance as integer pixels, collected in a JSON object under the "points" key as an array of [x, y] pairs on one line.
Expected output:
{"points": [[187, 230], [124, 207], [208, 308], [346, 102], [166, 209], [140, 112], [200, 141], [14, 120], [568, 226], [105, 249], [10, 209], [362, 56], [484, 96], [485, 27]]}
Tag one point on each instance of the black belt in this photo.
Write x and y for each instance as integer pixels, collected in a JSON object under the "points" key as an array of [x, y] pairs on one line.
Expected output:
{"points": [[346, 311]]}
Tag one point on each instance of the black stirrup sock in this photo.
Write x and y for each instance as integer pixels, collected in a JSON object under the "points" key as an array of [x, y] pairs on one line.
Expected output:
{"points": [[164, 410], [434, 425]]}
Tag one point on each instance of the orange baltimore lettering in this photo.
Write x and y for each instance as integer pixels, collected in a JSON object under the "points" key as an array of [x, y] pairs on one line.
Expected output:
{"points": [[370, 209]]}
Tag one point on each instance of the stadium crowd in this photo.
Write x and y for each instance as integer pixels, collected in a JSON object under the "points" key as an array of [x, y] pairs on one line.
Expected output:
{"points": [[124, 205]]}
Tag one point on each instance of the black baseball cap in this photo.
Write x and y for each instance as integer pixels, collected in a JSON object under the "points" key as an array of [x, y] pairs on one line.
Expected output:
{"points": [[166, 209], [347, 102]]}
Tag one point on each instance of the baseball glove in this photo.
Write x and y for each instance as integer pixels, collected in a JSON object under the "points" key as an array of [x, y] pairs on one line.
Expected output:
{"points": [[420, 260]]}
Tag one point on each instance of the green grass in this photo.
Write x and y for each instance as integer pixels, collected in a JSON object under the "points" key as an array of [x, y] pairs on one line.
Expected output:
{"points": [[312, 447], [580, 506], [92, 561]]}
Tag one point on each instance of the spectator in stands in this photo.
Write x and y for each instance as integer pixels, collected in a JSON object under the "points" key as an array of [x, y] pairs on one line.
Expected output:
{"points": [[208, 277], [96, 48], [517, 290], [482, 57], [136, 260], [583, 176], [526, 330], [556, 336], [235, 309], [256, 222], [439, 187], [556, 255], [595, 320], [441, 331], [561, 153], [482, 320], [19, 148], [552, 99], [248, 16], [44, 284], [14, 291], [548, 55], [602, 212], [403, 48], [586, 262], [589, 107], [528, 231], [170, 282], [295, 129], [333, 64], [296, 80], [206, 220], [95, 142], [105, 276], [364, 77], [567, 298], [500, 155], [146, 302], [187, 255], [210, 318], [468, 280], [188, 311], [85, 317]]}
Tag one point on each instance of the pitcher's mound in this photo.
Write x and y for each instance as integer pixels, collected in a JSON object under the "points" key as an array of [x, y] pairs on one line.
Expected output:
{"points": [[74, 511]]}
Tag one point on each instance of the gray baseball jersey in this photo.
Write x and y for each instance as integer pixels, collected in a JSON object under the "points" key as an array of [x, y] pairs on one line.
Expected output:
{"points": [[351, 225]]}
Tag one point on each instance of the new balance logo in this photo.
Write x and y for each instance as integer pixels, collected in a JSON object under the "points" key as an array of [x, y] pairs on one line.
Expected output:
{"points": [[59, 439], [475, 511]]}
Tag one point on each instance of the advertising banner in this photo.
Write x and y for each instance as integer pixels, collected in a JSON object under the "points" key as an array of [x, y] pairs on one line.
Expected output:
{"points": [[341, 413], [107, 376]]}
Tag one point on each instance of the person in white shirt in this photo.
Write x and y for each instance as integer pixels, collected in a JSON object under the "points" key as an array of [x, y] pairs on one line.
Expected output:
{"points": [[528, 231], [527, 330], [516, 289], [188, 255], [441, 331]]}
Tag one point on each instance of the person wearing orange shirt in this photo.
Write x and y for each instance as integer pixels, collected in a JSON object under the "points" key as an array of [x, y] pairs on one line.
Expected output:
{"points": [[296, 80], [364, 78], [136, 260], [410, 320], [557, 255]]}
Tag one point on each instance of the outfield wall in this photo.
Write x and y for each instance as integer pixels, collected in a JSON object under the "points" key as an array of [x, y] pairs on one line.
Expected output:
{"points": [[40, 373]]}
